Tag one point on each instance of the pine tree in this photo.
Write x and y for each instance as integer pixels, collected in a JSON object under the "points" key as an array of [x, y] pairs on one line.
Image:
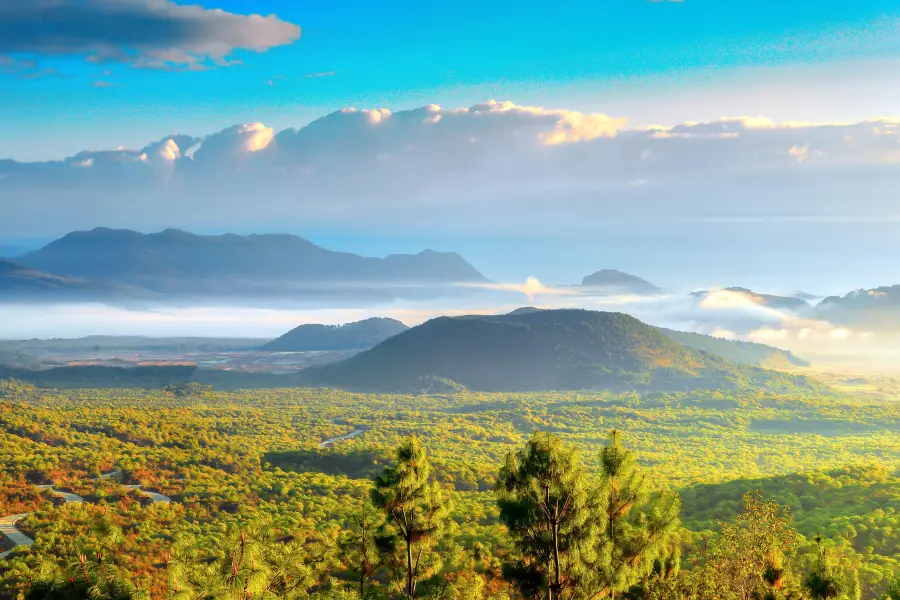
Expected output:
{"points": [[637, 534], [256, 564], [893, 591], [542, 494], [415, 506], [821, 582], [358, 548]]}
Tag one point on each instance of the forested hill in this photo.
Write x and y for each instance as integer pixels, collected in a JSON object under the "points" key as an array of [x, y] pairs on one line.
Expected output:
{"points": [[542, 350], [740, 352], [350, 336]]}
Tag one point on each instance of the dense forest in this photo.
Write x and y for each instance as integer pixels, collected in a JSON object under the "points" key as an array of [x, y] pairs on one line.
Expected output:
{"points": [[317, 493]]}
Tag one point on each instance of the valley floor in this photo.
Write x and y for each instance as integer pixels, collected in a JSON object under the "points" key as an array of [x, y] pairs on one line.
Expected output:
{"points": [[298, 458]]}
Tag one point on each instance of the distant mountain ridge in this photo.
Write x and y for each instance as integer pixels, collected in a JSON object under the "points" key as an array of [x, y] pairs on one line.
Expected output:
{"points": [[178, 263], [124, 254], [876, 307], [619, 282], [540, 350], [360, 335]]}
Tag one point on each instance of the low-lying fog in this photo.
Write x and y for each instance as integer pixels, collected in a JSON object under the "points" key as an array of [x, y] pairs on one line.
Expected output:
{"points": [[720, 313]]}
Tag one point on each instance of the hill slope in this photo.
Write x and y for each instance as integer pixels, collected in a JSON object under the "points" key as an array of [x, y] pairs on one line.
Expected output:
{"points": [[617, 282], [20, 282], [740, 352], [177, 261], [543, 350], [350, 336], [736, 351]]}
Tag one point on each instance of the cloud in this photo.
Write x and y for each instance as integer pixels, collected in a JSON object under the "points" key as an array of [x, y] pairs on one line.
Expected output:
{"points": [[104, 84], [154, 34], [322, 74], [492, 167], [532, 288]]}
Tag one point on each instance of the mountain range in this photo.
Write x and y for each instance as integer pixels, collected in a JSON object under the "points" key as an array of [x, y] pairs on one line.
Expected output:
{"points": [[177, 263], [541, 350], [877, 307]]}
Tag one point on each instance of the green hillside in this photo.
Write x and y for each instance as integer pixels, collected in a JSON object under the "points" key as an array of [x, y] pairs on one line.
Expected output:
{"points": [[543, 350], [740, 352]]}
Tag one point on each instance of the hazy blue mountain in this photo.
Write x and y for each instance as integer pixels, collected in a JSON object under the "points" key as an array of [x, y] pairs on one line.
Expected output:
{"points": [[617, 282], [174, 261], [17, 280], [540, 350], [360, 335], [877, 307]]}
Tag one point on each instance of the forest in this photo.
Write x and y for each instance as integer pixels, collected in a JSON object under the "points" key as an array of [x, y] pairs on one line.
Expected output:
{"points": [[327, 494]]}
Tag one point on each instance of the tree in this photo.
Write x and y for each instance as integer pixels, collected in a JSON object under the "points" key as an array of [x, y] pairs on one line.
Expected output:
{"points": [[821, 582], [893, 591], [542, 494], [750, 559], [256, 564], [358, 548], [415, 506], [637, 534], [88, 579]]}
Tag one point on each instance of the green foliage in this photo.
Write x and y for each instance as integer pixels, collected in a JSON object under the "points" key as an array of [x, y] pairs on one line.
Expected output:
{"points": [[358, 548], [750, 558], [636, 533], [416, 510], [543, 350], [543, 496], [255, 564], [86, 579], [232, 459]]}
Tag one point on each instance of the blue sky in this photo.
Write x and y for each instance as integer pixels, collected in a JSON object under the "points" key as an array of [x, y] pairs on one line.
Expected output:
{"points": [[563, 182], [646, 58]]}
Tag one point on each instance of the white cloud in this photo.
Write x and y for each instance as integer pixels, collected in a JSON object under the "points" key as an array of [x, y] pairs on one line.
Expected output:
{"points": [[495, 166]]}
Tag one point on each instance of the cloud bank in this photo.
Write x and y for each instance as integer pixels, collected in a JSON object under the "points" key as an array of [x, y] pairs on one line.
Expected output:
{"points": [[153, 34], [495, 165]]}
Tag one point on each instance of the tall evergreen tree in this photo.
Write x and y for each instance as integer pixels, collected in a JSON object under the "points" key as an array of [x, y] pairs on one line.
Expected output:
{"points": [[636, 532], [821, 582], [543, 498], [358, 548], [415, 506]]}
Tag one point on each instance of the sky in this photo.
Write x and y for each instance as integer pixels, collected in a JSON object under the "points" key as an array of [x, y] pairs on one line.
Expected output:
{"points": [[695, 143]]}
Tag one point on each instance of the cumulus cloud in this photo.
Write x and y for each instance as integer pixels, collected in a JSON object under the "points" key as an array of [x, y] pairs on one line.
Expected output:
{"points": [[498, 166], [154, 34]]}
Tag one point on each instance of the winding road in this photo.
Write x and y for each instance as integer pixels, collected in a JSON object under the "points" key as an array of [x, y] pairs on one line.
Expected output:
{"points": [[347, 436], [8, 524]]}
